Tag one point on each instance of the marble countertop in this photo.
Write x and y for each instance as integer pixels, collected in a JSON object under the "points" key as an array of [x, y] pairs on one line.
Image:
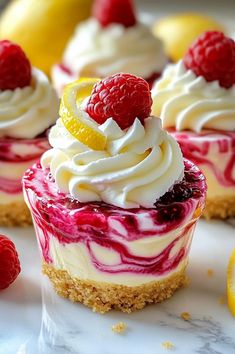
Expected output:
{"points": [[34, 320]]}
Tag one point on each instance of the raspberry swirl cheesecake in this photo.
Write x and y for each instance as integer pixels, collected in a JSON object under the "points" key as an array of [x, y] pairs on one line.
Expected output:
{"points": [[195, 99], [111, 41], [28, 107], [114, 204]]}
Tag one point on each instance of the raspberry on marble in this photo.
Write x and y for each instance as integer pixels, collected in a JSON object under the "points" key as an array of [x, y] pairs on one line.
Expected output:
{"points": [[9, 262]]}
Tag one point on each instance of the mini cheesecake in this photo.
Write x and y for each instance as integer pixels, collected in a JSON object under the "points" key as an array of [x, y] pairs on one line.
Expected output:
{"points": [[106, 44], [115, 208], [28, 107], [214, 152], [198, 108], [16, 155], [108, 257]]}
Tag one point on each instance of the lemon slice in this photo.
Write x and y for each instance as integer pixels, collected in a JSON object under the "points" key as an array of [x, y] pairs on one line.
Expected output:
{"points": [[179, 31], [74, 120], [231, 283]]}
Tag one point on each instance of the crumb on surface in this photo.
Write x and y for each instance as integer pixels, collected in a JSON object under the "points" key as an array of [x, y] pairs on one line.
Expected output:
{"points": [[119, 327], [185, 316], [168, 345], [222, 300], [210, 272]]}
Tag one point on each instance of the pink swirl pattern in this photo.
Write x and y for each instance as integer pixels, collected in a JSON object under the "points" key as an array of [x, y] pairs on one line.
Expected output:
{"points": [[200, 148], [58, 216], [18, 154]]}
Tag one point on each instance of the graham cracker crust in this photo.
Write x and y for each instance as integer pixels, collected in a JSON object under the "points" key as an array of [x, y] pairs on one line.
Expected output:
{"points": [[220, 208], [15, 214], [102, 297]]}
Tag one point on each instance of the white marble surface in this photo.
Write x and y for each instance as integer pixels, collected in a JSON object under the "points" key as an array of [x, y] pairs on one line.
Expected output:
{"points": [[72, 328]]}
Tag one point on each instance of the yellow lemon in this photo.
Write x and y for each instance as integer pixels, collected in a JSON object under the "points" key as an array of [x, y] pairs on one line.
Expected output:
{"points": [[179, 31], [231, 283], [74, 120], [42, 27]]}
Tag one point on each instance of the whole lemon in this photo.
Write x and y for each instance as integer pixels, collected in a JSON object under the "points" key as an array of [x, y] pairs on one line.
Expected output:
{"points": [[42, 27], [180, 30]]}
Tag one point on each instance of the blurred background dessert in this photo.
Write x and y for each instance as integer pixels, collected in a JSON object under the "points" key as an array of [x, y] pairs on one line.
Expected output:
{"points": [[28, 107], [39, 25], [195, 99], [112, 40]]}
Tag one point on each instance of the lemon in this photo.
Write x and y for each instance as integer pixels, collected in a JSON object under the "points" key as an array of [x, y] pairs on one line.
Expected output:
{"points": [[74, 120], [231, 283], [42, 27], [179, 31]]}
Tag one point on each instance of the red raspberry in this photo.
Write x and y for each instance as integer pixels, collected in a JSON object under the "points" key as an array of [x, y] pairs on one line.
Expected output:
{"points": [[114, 11], [15, 68], [212, 56], [122, 97], [9, 262]]}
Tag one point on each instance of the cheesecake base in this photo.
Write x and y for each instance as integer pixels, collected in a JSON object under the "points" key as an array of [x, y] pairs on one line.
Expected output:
{"points": [[15, 214], [220, 208], [102, 297]]}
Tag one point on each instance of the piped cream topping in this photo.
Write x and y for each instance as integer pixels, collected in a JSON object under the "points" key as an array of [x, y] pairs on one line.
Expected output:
{"points": [[185, 101], [100, 52], [137, 166], [29, 111]]}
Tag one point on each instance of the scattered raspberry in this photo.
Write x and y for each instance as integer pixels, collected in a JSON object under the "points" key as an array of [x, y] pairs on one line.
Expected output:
{"points": [[9, 262], [212, 55], [15, 68], [114, 11], [122, 97]]}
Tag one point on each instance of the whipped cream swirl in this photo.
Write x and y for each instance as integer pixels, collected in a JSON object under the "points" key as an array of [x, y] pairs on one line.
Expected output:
{"points": [[185, 101], [137, 166], [100, 52], [29, 111]]}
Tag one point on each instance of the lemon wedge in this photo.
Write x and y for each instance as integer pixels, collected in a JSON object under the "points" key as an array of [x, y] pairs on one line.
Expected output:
{"points": [[74, 120], [231, 283], [42, 27]]}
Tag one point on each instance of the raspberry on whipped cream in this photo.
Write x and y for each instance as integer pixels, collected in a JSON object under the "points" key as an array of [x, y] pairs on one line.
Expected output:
{"points": [[115, 224], [109, 43], [195, 99], [28, 107]]}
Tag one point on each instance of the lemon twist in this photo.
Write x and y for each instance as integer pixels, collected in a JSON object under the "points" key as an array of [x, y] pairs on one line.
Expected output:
{"points": [[74, 120], [231, 283]]}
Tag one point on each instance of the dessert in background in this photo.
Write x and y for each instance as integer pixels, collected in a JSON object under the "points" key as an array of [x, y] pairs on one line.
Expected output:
{"points": [[111, 41], [119, 203], [195, 99], [178, 31], [231, 283], [28, 107], [42, 28], [9, 262]]}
